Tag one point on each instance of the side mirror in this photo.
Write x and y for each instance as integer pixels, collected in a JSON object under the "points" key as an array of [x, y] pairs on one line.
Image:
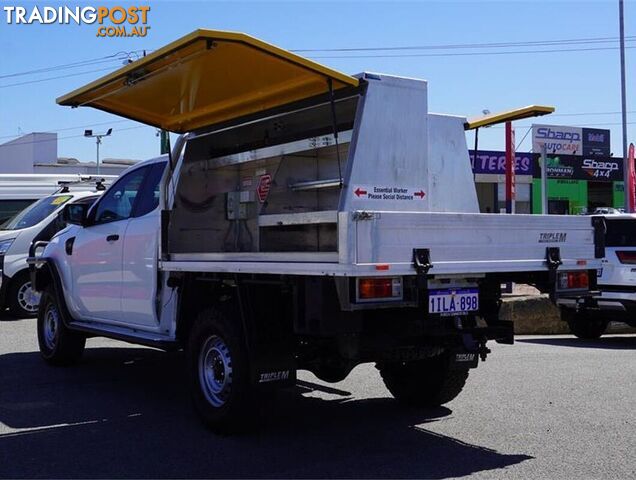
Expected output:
{"points": [[75, 213]]}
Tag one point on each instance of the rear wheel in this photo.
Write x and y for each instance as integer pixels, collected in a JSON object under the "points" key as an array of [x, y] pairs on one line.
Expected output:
{"points": [[23, 300], [219, 372], [423, 383], [584, 325], [58, 344]]}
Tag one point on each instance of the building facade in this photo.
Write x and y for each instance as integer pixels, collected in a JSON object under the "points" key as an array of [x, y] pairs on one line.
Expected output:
{"points": [[37, 153]]}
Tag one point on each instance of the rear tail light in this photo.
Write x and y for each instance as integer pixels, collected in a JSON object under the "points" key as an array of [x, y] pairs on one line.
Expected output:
{"points": [[574, 280], [380, 288], [626, 256]]}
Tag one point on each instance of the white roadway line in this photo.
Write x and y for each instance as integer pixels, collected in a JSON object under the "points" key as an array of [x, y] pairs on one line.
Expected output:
{"points": [[13, 432]]}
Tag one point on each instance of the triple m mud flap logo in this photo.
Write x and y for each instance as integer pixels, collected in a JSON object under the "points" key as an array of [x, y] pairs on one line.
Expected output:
{"points": [[113, 21]]}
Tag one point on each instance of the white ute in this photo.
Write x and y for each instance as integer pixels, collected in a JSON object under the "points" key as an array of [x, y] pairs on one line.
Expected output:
{"points": [[616, 300], [305, 219]]}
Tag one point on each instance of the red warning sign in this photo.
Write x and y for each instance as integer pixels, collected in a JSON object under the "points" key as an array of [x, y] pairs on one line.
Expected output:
{"points": [[263, 187]]}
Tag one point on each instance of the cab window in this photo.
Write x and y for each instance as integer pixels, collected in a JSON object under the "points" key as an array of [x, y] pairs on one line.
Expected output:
{"points": [[118, 202], [149, 196]]}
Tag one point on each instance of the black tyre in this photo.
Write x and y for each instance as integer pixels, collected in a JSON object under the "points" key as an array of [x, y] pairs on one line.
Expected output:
{"points": [[583, 324], [22, 299], [58, 344], [423, 383], [218, 369]]}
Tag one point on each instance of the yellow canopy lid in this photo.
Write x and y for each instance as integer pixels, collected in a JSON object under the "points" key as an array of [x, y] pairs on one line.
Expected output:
{"points": [[205, 78]]}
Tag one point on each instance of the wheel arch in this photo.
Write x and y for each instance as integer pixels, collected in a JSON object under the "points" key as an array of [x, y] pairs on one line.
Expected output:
{"points": [[47, 275]]}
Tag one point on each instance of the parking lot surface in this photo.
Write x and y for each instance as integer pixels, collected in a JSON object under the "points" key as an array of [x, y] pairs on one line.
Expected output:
{"points": [[547, 407]]}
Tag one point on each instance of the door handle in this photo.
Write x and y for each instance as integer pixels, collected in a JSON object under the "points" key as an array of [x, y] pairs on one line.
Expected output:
{"points": [[112, 238]]}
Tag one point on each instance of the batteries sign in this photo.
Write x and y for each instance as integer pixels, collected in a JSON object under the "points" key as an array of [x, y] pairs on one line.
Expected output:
{"points": [[385, 192]]}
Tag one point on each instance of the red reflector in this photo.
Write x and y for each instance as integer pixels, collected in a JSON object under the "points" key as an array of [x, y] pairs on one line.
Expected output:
{"points": [[383, 266], [626, 256], [578, 280], [369, 288]]}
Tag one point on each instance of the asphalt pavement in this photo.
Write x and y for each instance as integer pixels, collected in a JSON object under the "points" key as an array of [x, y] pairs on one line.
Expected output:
{"points": [[547, 407]]}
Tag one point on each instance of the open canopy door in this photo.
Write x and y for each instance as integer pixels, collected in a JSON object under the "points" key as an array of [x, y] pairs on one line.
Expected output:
{"points": [[206, 78]]}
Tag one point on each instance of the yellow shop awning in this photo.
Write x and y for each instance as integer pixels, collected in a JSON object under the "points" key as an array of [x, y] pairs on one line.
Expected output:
{"points": [[205, 78], [508, 116]]}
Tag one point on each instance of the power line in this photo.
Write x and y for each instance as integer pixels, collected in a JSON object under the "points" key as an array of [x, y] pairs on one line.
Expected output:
{"points": [[69, 128], [467, 54], [80, 63], [76, 74], [73, 136], [572, 41]]}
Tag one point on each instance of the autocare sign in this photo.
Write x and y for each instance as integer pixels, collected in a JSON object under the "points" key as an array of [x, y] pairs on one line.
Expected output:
{"points": [[386, 192], [557, 140]]}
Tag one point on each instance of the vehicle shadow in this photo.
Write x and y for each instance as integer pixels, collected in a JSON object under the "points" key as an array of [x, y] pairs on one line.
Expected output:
{"points": [[623, 342], [125, 412]]}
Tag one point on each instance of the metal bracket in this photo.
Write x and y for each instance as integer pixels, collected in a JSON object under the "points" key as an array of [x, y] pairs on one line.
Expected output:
{"points": [[422, 260], [600, 229], [553, 258]]}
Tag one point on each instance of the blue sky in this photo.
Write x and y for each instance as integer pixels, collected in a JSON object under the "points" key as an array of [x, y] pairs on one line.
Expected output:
{"points": [[574, 82]]}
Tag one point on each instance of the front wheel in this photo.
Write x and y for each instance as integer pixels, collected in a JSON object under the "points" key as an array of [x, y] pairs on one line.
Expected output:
{"points": [[23, 299], [58, 344], [584, 325], [423, 383], [219, 372]]}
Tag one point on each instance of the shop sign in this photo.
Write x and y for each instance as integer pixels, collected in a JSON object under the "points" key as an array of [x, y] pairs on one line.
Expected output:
{"points": [[558, 140], [574, 167], [494, 162], [596, 142]]}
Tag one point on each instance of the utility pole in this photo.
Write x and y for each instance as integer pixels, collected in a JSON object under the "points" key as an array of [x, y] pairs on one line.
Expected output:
{"points": [[98, 140], [621, 26], [164, 140]]}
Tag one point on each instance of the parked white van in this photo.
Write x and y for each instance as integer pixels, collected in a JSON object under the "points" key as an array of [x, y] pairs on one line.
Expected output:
{"points": [[18, 191], [39, 221]]}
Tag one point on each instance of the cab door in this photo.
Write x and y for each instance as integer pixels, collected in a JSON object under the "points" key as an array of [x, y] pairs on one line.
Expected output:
{"points": [[96, 252], [141, 249]]}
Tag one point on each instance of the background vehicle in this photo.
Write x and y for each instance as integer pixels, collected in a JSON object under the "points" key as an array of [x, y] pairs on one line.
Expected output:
{"points": [[308, 220], [18, 191], [616, 282], [38, 222]]}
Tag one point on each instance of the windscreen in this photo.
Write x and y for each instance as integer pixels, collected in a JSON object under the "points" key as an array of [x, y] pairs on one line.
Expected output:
{"points": [[620, 233], [10, 208], [37, 212]]}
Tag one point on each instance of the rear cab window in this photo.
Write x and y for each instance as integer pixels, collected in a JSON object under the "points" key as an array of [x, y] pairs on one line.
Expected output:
{"points": [[620, 232]]}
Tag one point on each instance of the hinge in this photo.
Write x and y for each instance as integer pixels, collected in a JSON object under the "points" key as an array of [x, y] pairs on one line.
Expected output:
{"points": [[362, 215], [553, 258], [422, 260]]}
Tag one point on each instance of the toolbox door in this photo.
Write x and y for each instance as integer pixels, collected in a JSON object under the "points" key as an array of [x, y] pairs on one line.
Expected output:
{"points": [[208, 78]]}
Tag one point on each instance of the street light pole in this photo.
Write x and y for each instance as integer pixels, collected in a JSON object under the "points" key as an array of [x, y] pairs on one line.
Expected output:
{"points": [[621, 26], [98, 141]]}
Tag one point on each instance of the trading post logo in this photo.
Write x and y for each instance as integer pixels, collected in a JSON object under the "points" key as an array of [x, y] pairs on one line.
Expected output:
{"points": [[114, 21]]}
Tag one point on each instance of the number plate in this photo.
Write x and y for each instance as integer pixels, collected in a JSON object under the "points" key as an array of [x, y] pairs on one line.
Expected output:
{"points": [[453, 301]]}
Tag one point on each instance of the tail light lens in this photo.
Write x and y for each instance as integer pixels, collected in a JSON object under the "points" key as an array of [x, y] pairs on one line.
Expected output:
{"points": [[574, 280], [380, 288], [626, 257]]}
